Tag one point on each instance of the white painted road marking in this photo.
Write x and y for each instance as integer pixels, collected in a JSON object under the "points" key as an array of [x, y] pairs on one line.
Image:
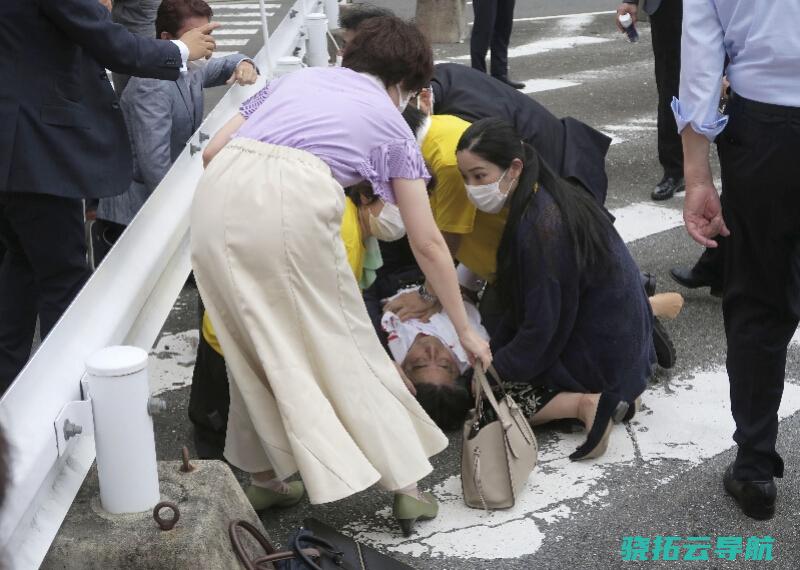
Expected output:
{"points": [[234, 6], [232, 42], [539, 85], [235, 32], [643, 219], [546, 45], [688, 421]]}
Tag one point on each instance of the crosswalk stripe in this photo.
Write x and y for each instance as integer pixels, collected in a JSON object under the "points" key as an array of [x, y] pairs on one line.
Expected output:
{"points": [[232, 6], [539, 85], [236, 31], [232, 42], [218, 17], [643, 219], [222, 53], [226, 23], [546, 45]]}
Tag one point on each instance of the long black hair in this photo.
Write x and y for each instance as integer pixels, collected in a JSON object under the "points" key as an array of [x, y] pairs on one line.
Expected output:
{"points": [[585, 223]]}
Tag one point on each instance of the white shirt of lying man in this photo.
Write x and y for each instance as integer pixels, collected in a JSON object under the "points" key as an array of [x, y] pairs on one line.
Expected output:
{"points": [[438, 333]]}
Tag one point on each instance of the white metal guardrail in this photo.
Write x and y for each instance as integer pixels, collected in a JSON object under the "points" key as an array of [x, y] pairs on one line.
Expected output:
{"points": [[126, 301]]}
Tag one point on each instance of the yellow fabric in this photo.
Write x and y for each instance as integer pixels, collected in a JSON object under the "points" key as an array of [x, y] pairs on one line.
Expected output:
{"points": [[353, 244], [209, 335], [454, 213], [351, 236]]}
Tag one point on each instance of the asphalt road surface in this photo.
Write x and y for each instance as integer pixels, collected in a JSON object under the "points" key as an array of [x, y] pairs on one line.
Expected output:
{"points": [[662, 474]]}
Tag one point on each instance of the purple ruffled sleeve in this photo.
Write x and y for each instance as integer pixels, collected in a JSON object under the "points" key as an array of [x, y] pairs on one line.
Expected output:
{"points": [[398, 159], [253, 103]]}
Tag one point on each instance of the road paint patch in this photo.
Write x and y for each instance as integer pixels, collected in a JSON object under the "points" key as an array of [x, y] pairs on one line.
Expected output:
{"points": [[241, 15], [236, 31], [545, 45], [643, 219], [539, 85], [223, 53], [233, 6], [686, 421], [232, 42], [172, 361]]}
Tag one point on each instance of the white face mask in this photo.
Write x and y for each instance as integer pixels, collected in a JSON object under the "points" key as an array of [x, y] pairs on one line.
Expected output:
{"points": [[402, 99], [488, 197], [388, 225]]}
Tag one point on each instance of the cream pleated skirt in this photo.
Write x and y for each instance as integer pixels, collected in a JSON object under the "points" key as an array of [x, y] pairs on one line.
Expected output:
{"points": [[312, 390]]}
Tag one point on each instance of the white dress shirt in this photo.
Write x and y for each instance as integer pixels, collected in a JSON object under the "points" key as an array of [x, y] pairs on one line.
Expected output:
{"points": [[762, 39], [403, 334]]}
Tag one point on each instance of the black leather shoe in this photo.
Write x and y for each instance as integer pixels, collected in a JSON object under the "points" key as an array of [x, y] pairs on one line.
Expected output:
{"points": [[755, 498], [667, 188], [665, 350], [649, 283], [508, 81], [692, 279]]}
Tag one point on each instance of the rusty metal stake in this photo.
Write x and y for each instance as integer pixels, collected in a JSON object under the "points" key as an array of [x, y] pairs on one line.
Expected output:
{"points": [[186, 467], [166, 524]]}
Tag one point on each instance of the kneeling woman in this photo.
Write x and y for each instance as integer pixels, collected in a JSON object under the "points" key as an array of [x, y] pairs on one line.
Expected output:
{"points": [[312, 390], [576, 325]]}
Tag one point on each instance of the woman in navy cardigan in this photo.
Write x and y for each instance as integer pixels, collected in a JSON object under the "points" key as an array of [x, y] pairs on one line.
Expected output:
{"points": [[577, 326]]}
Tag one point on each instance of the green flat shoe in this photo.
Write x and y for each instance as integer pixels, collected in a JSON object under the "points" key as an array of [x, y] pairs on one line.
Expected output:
{"points": [[408, 510], [263, 499]]}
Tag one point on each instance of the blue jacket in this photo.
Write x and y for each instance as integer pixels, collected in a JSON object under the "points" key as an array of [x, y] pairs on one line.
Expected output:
{"points": [[578, 332], [61, 126]]}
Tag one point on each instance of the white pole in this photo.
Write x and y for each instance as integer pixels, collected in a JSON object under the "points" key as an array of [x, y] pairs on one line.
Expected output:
{"points": [[287, 65], [332, 11], [317, 25], [265, 34], [126, 448]]}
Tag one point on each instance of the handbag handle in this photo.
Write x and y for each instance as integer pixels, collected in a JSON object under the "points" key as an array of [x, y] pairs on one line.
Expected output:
{"points": [[484, 388], [272, 555], [331, 550]]}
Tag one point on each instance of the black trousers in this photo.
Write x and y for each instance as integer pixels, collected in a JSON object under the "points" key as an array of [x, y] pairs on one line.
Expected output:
{"points": [[209, 398], [665, 28], [492, 29], [43, 268], [761, 302], [711, 263]]}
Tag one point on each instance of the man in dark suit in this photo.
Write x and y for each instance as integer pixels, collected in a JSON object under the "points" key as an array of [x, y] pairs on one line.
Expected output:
{"points": [[62, 140], [492, 30], [573, 149], [666, 18]]}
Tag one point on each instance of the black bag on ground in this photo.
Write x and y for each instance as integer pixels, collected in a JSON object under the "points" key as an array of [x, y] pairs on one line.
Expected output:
{"points": [[316, 546]]}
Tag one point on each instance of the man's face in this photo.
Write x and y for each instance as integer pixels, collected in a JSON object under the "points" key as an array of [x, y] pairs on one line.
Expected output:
{"points": [[429, 361]]}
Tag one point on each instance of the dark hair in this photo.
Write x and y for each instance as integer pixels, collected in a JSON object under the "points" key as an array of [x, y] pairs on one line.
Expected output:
{"points": [[415, 119], [172, 14], [446, 404], [393, 50], [585, 224], [351, 17]]}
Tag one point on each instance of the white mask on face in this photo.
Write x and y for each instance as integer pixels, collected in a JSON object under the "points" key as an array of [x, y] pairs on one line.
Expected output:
{"points": [[388, 225], [488, 197], [402, 100]]}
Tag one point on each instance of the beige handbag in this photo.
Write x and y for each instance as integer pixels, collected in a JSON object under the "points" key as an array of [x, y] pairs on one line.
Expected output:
{"points": [[499, 450]]}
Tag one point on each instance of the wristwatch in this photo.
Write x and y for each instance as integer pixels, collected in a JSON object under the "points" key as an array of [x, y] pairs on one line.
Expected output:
{"points": [[426, 295]]}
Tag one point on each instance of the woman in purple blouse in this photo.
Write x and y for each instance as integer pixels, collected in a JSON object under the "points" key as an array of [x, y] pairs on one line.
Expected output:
{"points": [[312, 389]]}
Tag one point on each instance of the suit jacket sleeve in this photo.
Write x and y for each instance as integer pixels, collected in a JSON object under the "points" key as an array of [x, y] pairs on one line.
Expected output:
{"points": [[220, 69], [148, 112], [89, 25]]}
